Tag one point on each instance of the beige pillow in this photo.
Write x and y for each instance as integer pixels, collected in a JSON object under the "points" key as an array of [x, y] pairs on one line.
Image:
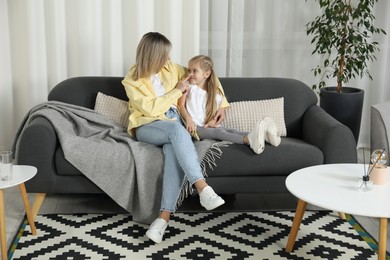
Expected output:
{"points": [[114, 108], [243, 115]]}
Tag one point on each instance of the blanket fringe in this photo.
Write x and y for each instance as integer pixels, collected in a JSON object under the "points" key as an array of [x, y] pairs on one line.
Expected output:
{"points": [[208, 160]]}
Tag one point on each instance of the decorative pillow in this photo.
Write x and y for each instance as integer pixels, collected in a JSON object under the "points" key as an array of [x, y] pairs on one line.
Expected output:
{"points": [[114, 108], [243, 115]]}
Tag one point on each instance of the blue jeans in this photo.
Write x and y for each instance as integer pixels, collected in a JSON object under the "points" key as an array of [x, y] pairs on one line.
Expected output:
{"points": [[180, 156]]}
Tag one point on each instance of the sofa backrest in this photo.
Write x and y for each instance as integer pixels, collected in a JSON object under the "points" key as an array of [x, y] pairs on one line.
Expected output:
{"points": [[298, 97], [82, 91]]}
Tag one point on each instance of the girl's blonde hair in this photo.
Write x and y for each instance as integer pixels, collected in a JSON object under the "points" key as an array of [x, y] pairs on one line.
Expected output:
{"points": [[152, 53], [207, 64]]}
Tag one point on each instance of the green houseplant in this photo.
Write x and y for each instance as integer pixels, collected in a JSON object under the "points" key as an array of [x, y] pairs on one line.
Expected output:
{"points": [[342, 35]]}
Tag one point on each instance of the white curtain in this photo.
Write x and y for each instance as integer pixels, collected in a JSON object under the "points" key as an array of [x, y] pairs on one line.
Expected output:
{"points": [[262, 38], [44, 42]]}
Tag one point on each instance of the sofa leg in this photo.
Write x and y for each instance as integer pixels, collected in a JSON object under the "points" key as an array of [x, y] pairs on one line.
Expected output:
{"points": [[39, 198]]}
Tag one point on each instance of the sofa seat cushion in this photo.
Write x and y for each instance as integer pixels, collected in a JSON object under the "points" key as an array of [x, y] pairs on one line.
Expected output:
{"points": [[240, 160], [292, 154]]}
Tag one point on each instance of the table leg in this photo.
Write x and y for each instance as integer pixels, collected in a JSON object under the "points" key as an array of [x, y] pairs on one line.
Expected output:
{"points": [[4, 255], [301, 207], [38, 201], [28, 209], [382, 238]]}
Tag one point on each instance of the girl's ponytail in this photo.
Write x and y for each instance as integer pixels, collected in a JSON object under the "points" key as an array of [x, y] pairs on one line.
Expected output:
{"points": [[212, 91]]}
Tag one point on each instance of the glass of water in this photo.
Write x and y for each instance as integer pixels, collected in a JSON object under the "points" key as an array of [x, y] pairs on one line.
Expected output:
{"points": [[5, 165]]}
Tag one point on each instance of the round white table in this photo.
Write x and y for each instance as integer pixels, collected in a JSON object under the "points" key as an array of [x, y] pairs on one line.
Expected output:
{"points": [[336, 187], [20, 174]]}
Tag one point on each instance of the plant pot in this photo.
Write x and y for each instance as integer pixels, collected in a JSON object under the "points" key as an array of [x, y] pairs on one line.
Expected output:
{"points": [[346, 107]]}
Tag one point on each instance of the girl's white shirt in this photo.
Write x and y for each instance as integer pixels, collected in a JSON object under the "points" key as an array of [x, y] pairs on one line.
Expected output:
{"points": [[196, 104]]}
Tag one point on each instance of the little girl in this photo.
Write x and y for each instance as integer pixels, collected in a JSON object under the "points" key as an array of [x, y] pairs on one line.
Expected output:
{"points": [[199, 105]]}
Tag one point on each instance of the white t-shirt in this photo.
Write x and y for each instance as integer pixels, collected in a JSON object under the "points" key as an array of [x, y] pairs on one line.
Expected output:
{"points": [[196, 104], [157, 85]]}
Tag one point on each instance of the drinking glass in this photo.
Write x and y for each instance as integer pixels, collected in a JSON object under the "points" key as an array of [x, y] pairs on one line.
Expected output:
{"points": [[5, 165]]}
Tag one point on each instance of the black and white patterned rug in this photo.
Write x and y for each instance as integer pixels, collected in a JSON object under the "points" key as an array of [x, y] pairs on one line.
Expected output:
{"points": [[215, 235]]}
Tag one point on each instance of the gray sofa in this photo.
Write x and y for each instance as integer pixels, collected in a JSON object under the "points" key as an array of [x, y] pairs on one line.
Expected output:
{"points": [[313, 137], [379, 127]]}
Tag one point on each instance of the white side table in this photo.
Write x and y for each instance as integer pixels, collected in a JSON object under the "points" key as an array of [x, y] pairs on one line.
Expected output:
{"points": [[335, 187], [20, 174]]}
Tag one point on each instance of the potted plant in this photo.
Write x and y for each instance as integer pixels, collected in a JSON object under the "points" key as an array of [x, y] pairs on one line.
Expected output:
{"points": [[342, 35]]}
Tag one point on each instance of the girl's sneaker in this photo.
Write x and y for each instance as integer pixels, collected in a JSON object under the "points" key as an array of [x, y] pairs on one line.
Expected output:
{"points": [[257, 137], [272, 136]]}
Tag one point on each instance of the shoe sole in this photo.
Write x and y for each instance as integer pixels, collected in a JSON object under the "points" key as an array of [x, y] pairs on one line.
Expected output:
{"points": [[272, 132], [254, 141], [273, 138], [260, 136]]}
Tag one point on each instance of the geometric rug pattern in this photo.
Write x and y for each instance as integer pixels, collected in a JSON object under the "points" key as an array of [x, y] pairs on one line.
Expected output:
{"points": [[205, 235]]}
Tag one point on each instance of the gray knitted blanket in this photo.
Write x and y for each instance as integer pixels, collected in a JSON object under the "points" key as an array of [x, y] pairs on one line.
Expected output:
{"points": [[130, 172]]}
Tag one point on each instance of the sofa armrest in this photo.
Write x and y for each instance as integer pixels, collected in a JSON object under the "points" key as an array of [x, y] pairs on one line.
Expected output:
{"points": [[334, 139], [37, 147], [378, 130]]}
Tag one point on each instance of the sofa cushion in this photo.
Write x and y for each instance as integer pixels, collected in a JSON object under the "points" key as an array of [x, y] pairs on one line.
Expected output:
{"points": [[292, 154], [114, 108], [243, 115]]}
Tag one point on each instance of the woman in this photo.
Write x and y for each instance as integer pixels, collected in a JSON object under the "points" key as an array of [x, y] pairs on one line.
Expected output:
{"points": [[154, 85]]}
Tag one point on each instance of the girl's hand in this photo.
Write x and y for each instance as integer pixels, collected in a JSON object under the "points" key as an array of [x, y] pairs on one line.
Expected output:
{"points": [[190, 125], [183, 85], [212, 123], [219, 116]]}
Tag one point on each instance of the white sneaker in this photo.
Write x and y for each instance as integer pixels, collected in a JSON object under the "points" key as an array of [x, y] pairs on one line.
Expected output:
{"points": [[272, 137], [257, 137], [209, 199], [156, 230]]}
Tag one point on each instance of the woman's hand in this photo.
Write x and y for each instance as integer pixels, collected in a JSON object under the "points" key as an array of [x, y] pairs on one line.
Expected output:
{"points": [[183, 85]]}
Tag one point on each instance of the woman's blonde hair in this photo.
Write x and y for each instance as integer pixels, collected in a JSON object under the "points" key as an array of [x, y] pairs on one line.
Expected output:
{"points": [[152, 53], [207, 64]]}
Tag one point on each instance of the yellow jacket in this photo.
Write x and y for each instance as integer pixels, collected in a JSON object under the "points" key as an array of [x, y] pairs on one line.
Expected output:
{"points": [[145, 107]]}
